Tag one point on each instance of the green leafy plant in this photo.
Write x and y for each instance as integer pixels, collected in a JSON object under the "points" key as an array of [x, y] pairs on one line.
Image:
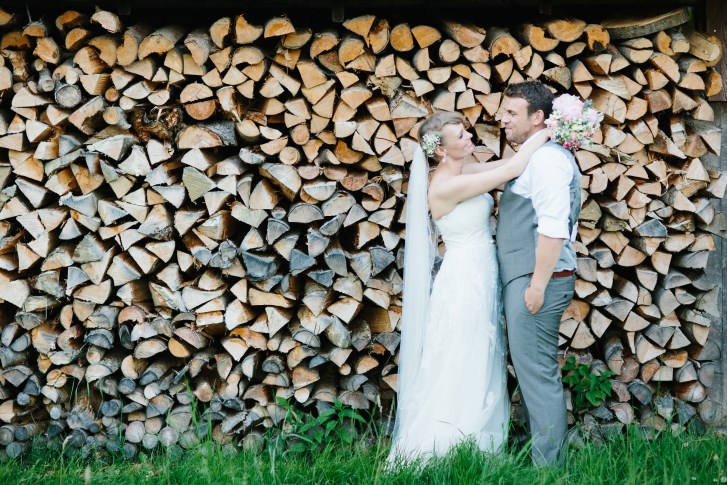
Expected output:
{"points": [[304, 433], [586, 387]]}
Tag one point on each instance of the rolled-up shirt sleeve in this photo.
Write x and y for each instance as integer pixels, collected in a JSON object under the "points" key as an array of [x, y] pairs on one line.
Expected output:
{"points": [[551, 174]]}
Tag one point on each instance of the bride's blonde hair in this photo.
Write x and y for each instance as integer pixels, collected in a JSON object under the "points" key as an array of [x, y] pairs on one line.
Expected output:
{"points": [[437, 121]]}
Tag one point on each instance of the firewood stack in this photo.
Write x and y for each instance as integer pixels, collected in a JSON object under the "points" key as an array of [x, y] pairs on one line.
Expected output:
{"points": [[215, 214]]}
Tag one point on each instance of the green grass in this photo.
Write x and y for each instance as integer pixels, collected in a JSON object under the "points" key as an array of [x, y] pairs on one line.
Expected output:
{"points": [[627, 458]]}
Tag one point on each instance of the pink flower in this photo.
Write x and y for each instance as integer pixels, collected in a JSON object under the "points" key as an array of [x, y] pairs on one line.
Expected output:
{"points": [[594, 116], [565, 102], [573, 122], [570, 106]]}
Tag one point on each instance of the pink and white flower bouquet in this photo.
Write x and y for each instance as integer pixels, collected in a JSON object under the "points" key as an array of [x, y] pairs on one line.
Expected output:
{"points": [[573, 122]]}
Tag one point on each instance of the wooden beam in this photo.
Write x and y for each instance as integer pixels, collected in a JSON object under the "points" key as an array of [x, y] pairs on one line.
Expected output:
{"points": [[716, 16], [717, 261], [137, 6], [635, 24]]}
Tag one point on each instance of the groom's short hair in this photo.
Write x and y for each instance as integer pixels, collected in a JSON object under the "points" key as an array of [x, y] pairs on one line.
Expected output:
{"points": [[537, 94]]}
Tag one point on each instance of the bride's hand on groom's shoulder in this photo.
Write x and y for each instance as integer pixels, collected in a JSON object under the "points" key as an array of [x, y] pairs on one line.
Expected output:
{"points": [[544, 135]]}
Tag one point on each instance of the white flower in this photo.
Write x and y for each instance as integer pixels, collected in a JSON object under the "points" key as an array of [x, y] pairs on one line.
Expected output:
{"points": [[430, 141]]}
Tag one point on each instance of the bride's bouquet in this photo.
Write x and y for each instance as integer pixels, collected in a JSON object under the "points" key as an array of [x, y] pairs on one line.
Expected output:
{"points": [[573, 122]]}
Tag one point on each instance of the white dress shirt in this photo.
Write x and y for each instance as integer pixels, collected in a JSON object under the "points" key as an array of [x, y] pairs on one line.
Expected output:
{"points": [[546, 181]]}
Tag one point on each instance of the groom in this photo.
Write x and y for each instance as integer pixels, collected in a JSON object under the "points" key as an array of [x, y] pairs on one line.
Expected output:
{"points": [[537, 218]]}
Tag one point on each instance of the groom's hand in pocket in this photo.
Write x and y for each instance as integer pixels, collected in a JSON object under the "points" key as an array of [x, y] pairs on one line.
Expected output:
{"points": [[534, 298]]}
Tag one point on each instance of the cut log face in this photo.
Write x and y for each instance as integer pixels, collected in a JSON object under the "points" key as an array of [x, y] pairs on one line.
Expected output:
{"points": [[203, 218]]}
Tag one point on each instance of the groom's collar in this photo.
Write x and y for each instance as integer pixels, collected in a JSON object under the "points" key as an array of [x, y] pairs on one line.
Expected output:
{"points": [[531, 137]]}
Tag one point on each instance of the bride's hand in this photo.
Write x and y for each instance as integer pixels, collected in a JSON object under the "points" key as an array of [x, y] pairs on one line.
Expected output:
{"points": [[543, 136], [522, 158]]}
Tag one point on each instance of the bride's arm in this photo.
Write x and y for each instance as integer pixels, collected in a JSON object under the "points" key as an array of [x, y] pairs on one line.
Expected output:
{"points": [[479, 167], [463, 187]]}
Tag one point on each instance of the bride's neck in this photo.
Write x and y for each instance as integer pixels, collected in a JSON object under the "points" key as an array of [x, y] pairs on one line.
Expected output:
{"points": [[454, 166]]}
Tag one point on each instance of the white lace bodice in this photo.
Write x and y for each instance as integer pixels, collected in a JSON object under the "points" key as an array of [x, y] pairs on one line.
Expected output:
{"points": [[467, 225]]}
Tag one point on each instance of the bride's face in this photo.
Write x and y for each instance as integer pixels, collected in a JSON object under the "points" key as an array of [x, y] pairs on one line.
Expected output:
{"points": [[456, 141]]}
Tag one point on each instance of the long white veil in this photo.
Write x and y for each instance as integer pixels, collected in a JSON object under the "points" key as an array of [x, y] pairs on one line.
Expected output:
{"points": [[419, 254]]}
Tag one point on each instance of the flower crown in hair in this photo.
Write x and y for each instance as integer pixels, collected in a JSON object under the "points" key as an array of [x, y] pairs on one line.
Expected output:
{"points": [[430, 141]]}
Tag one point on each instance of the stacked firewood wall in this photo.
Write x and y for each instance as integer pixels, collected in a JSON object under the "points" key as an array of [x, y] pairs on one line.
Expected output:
{"points": [[215, 214]]}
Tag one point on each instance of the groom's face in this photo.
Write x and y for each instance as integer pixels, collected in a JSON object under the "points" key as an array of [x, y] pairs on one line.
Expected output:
{"points": [[516, 121]]}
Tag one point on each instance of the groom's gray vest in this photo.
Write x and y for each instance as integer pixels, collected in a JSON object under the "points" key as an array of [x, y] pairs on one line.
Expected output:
{"points": [[517, 234]]}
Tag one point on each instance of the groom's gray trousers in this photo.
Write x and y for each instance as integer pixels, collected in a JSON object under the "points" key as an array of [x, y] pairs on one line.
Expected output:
{"points": [[533, 339], [533, 342]]}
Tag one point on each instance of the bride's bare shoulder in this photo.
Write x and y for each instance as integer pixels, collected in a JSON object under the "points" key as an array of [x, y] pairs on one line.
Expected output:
{"points": [[438, 182], [437, 197]]}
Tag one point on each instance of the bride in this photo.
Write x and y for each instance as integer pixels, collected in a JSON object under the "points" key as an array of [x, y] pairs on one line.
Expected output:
{"points": [[452, 377]]}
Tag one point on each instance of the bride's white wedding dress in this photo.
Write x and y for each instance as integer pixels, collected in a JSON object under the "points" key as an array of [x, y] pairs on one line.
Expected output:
{"points": [[462, 374]]}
